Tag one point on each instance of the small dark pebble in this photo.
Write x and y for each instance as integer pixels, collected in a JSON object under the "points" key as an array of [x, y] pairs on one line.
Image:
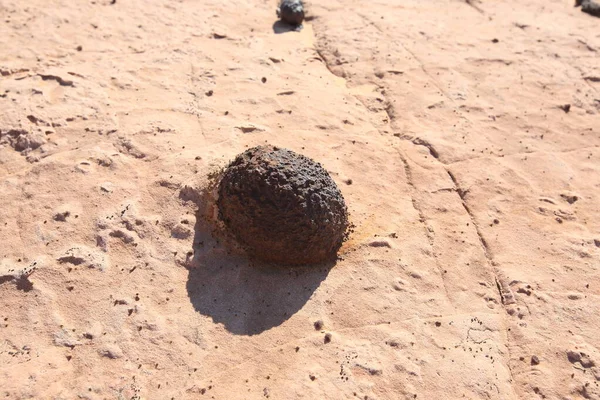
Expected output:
{"points": [[263, 80], [495, 40], [565, 107], [79, 48], [569, 198], [327, 338], [318, 325], [209, 93], [535, 360]]}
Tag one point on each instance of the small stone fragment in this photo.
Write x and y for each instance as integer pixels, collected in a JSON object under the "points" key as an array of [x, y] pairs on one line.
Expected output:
{"points": [[62, 216], [107, 187], [181, 231], [80, 255], [111, 351]]}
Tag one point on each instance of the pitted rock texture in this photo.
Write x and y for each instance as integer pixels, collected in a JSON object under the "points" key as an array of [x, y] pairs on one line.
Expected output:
{"points": [[589, 6], [282, 206], [291, 12]]}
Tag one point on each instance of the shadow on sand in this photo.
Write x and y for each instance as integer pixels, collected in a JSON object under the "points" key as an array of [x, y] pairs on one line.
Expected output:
{"points": [[246, 297], [282, 27]]}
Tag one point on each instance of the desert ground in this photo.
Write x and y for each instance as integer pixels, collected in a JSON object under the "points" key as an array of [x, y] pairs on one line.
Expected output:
{"points": [[464, 136]]}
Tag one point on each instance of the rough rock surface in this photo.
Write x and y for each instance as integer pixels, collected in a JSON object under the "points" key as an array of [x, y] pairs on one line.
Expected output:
{"points": [[291, 12], [282, 206], [474, 194], [589, 6]]}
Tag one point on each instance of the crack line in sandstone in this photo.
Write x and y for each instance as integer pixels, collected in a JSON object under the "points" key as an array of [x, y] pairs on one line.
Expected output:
{"points": [[462, 195], [458, 189], [505, 294], [327, 64], [435, 154], [417, 59], [423, 220], [421, 142], [421, 64], [489, 258], [583, 76], [431, 78], [410, 182], [196, 101], [476, 7], [523, 154]]}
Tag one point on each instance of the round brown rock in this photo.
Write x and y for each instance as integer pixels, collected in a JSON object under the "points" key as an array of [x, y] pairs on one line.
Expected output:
{"points": [[291, 12], [282, 207]]}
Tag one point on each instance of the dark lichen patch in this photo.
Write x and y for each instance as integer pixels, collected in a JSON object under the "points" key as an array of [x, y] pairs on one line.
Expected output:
{"points": [[282, 207]]}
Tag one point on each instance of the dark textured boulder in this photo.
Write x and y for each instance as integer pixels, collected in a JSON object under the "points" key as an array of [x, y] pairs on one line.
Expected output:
{"points": [[589, 6], [291, 12], [282, 207]]}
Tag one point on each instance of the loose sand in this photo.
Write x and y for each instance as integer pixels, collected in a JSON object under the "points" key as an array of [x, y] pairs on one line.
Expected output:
{"points": [[464, 136]]}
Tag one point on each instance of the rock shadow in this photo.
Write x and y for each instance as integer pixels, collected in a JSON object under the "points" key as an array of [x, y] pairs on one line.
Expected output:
{"points": [[247, 297], [282, 27]]}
